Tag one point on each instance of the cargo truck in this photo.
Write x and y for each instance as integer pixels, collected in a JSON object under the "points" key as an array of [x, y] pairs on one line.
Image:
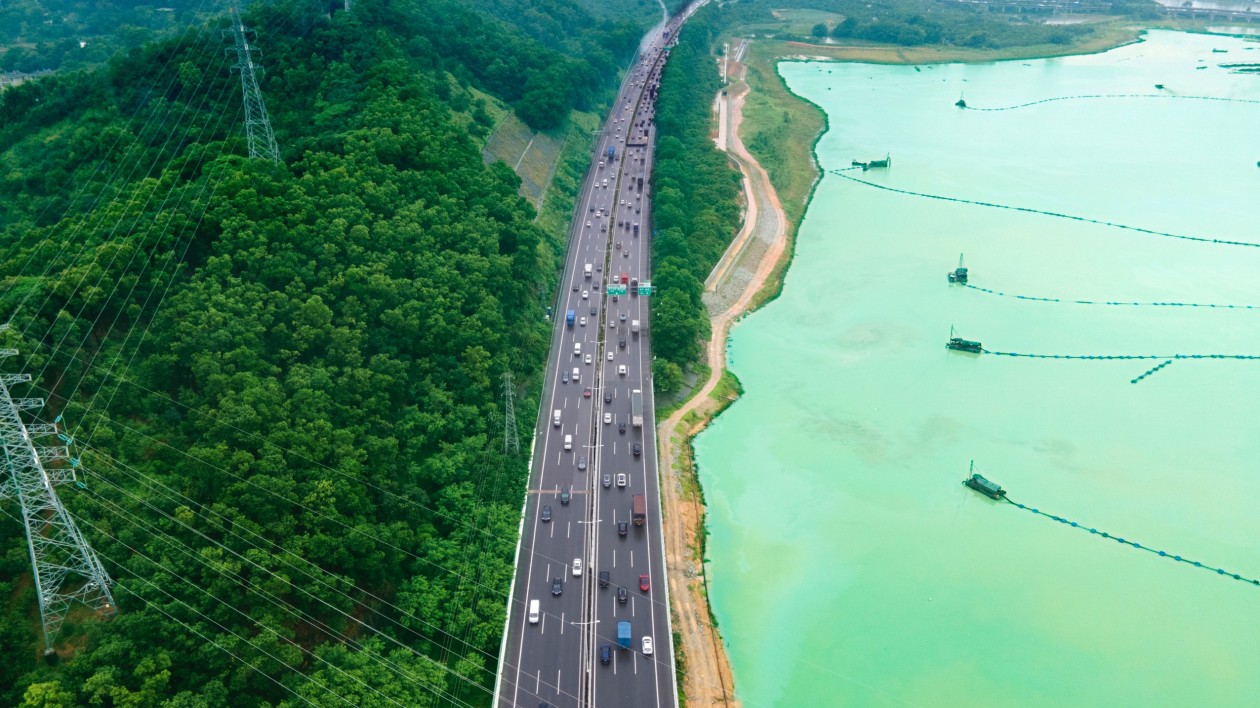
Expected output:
{"points": [[636, 408], [568, 318], [587, 271], [612, 152], [623, 635], [639, 511], [634, 327]]}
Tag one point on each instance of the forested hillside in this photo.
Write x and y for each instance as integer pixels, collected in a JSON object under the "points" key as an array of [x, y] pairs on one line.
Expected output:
{"points": [[696, 212], [284, 380]]}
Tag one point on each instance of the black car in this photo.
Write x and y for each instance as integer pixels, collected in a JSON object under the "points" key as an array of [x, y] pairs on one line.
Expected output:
{"points": [[575, 287], [605, 653], [607, 396], [622, 595], [582, 463], [557, 585], [546, 513], [623, 528], [593, 310], [565, 494], [603, 578], [638, 449], [621, 342], [621, 428]]}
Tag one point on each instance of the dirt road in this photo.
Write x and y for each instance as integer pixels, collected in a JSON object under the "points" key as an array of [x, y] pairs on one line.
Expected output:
{"points": [[742, 272]]}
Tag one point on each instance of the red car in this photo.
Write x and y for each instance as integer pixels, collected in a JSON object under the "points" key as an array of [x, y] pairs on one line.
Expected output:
{"points": [[586, 393], [644, 586]]}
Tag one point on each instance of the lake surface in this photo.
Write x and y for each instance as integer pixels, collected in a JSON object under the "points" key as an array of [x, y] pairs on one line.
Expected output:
{"points": [[848, 565]]}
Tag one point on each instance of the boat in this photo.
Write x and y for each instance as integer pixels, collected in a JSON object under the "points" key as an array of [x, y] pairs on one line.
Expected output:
{"points": [[959, 274], [961, 103], [990, 489], [963, 345], [1159, 86]]}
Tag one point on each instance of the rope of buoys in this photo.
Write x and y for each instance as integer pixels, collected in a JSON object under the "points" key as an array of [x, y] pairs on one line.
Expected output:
{"points": [[1123, 357], [1114, 303], [1135, 544], [1138, 229], [1111, 96], [1151, 371]]}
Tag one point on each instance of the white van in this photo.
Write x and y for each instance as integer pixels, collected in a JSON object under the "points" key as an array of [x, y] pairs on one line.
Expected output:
{"points": [[533, 612], [577, 349], [568, 442], [555, 417]]}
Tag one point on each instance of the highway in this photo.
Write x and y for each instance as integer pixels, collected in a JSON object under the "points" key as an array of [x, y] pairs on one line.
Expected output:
{"points": [[584, 421]]}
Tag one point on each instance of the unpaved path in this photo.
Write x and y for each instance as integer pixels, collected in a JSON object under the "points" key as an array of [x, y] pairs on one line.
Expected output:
{"points": [[742, 272]]}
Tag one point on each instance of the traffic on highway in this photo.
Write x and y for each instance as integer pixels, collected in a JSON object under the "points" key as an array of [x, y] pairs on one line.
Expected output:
{"points": [[588, 621]]}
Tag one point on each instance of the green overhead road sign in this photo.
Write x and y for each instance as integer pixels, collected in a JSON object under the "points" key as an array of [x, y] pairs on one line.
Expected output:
{"points": [[616, 290], [645, 289]]}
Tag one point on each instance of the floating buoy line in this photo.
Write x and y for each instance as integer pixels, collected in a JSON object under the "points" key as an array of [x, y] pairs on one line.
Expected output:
{"points": [[994, 491], [1085, 97]]}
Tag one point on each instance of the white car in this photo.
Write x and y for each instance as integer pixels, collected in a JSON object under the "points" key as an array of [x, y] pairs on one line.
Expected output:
{"points": [[586, 294], [621, 370], [610, 354], [588, 361], [582, 321], [577, 570], [588, 224], [647, 646], [621, 479], [607, 418]]}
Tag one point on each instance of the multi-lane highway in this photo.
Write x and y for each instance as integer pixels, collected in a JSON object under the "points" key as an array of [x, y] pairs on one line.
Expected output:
{"points": [[589, 458]]}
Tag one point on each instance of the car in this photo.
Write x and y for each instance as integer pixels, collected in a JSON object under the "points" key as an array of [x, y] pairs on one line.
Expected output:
{"points": [[546, 513], [607, 481], [622, 595], [625, 253], [575, 287], [644, 583], [621, 370], [638, 449], [621, 342], [557, 586], [621, 479], [565, 495], [607, 418], [623, 528], [611, 323], [564, 376], [586, 295], [586, 393], [603, 578], [588, 359], [610, 354], [614, 298], [647, 646], [588, 224], [607, 396], [605, 653], [621, 427], [577, 567], [621, 316], [582, 322], [582, 463], [593, 310]]}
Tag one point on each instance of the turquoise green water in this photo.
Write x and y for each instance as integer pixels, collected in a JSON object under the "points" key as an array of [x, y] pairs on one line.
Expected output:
{"points": [[849, 566]]}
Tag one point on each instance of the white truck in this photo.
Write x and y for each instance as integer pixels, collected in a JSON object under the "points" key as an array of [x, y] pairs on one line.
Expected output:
{"points": [[588, 271], [636, 408], [634, 327]]}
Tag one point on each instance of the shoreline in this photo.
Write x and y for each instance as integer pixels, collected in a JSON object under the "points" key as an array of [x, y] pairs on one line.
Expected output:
{"points": [[708, 677]]}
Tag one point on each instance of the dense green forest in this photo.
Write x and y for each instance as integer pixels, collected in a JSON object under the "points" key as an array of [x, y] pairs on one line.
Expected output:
{"points": [[695, 211], [926, 22], [69, 34], [284, 379]]}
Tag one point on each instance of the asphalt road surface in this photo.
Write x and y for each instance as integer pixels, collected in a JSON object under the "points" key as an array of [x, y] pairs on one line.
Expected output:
{"points": [[585, 420]]}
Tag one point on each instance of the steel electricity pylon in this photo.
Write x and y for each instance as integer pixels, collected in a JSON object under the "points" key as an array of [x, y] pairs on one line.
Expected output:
{"points": [[511, 441], [64, 566], [262, 143]]}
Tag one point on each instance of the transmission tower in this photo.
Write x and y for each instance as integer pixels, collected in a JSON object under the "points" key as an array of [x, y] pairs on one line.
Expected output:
{"points": [[58, 551], [257, 125], [511, 441]]}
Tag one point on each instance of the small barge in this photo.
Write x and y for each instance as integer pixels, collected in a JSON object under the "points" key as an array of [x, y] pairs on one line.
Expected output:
{"points": [[959, 275], [874, 164], [959, 344], [985, 487]]}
